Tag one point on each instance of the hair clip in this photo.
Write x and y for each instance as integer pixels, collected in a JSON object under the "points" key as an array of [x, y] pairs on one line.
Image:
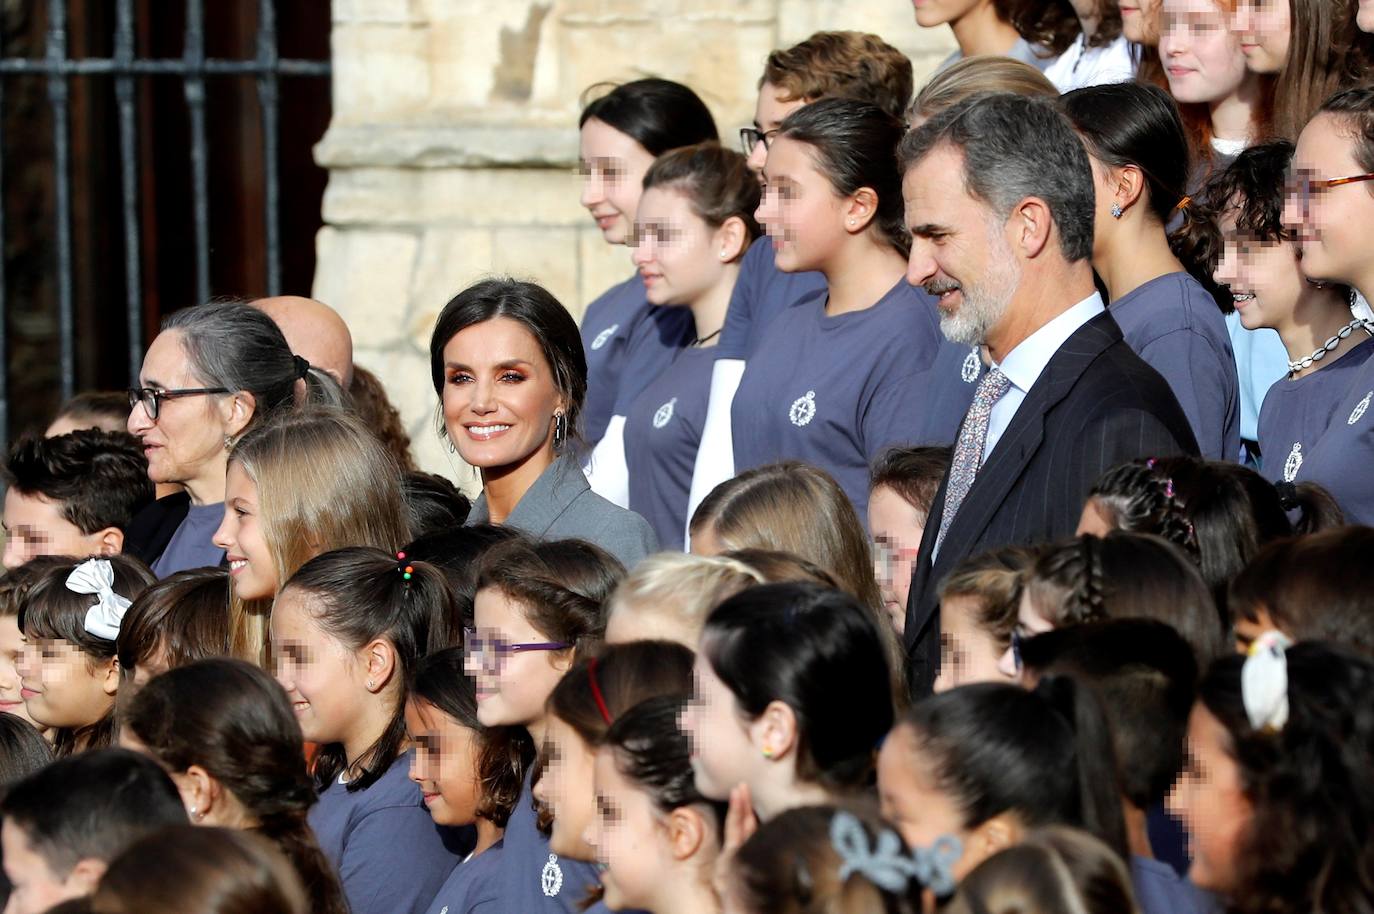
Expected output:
{"points": [[95, 577], [405, 570], [301, 365], [596, 692], [1183, 204], [1168, 488], [1264, 682], [885, 865]]}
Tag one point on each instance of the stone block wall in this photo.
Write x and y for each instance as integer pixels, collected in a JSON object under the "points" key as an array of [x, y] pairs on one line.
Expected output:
{"points": [[452, 147]]}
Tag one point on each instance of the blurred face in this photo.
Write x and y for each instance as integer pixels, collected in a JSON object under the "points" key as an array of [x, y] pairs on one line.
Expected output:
{"points": [[1210, 799], [897, 527], [1201, 55], [912, 800], [1140, 21], [34, 526], [1095, 520], [1331, 223], [804, 217], [321, 675], [444, 763], [511, 687], [36, 888], [613, 166], [770, 111], [1364, 18], [931, 13], [968, 653], [722, 751], [1263, 27], [1264, 276], [1029, 623], [499, 395], [187, 438], [958, 251], [64, 687], [252, 571], [678, 255], [11, 648], [566, 788]]}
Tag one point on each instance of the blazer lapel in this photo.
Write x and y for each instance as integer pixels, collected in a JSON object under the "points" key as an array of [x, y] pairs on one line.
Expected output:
{"points": [[552, 494]]}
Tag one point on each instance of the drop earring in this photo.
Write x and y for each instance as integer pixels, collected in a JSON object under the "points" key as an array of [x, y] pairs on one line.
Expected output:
{"points": [[1116, 210], [560, 431]]}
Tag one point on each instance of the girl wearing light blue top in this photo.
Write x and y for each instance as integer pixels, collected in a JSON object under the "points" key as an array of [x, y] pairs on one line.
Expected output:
{"points": [[695, 222], [838, 378], [1139, 154], [620, 134]]}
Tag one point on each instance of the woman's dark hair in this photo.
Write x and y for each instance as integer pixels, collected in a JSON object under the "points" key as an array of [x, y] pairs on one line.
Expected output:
{"points": [[1054, 24], [531, 306], [458, 554], [186, 868], [1051, 870], [1137, 497], [1311, 588], [23, 750], [1309, 843], [433, 503], [653, 752], [716, 181], [1234, 511], [615, 679], [360, 594], [819, 652], [185, 616], [658, 114], [1355, 108], [232, 719], [560, 584], [49, 610], [1045, 755], [233, 345], [1127, 576], [855, 146], [505, 753]]}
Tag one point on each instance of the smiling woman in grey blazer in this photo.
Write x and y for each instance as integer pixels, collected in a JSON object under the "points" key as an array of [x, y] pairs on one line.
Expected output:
{"points": [[508, 366]]}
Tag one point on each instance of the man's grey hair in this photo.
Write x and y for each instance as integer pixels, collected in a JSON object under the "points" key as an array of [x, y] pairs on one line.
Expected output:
{"points": [[1015, 147]]}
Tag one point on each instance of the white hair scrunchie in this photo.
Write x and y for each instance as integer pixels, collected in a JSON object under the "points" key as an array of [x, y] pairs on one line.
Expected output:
{"points": [[96, 577], [1264, 682]]}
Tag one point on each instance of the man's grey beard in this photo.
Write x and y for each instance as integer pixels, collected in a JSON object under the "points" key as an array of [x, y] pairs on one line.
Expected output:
{"points": [[984, 304]]}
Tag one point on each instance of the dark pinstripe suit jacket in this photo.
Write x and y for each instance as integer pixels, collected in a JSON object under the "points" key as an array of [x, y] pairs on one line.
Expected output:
{"points": [[1096, 404]]}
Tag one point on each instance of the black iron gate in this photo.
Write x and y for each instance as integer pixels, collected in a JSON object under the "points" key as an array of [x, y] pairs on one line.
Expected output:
{"points": [[124, 67]]}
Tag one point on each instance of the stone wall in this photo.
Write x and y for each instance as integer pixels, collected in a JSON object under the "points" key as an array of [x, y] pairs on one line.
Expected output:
{"points": [[453, 141]]}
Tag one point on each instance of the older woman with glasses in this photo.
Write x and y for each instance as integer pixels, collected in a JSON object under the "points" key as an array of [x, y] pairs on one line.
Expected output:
{"points": [[211, 374]]}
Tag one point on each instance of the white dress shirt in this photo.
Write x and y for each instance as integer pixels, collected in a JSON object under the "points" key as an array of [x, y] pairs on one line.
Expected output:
{"points": [[1023, 365], [1081, 66]]}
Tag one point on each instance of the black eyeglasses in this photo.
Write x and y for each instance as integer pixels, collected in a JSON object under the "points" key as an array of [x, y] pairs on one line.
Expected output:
{"points": [[152, 397], [749, 137]]}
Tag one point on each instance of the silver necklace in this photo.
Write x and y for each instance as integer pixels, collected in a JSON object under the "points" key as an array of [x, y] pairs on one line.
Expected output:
{"points": [[1358, 323]]}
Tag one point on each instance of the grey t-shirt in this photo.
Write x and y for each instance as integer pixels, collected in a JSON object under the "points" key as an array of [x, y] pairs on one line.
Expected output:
{"points": [[1175, 325], [1298, 411], [761, 293], [190, 545]]}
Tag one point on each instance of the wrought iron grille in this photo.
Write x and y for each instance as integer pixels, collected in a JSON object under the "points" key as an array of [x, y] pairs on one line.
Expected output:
{"points": [[124, 67]]}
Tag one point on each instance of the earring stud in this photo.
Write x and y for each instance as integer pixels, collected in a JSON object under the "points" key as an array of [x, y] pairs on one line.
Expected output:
{"points": [[1116, 211]]}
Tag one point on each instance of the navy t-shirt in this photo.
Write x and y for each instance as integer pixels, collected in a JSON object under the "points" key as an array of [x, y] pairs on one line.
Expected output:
{"points": [[1298, 411], [390, 855], [1160, 890], [473, 887], [1341, 460], [1174, 324], [761, 293], [531, 877], [625, 337], [190, 545], [662, 433], [834, 391]]}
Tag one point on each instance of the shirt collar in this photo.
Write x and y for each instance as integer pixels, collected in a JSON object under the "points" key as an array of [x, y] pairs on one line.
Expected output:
{"points": [[1023, 365]]}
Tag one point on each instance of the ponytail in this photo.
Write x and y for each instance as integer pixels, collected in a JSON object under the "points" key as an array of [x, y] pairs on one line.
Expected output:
{"points": [[1315, 507], [293, 836]]}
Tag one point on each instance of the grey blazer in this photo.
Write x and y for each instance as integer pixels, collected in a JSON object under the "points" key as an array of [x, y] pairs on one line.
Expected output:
{"points": [[560, 505]]}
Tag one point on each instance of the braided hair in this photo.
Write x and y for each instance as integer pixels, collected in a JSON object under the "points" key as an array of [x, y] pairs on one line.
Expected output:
{"points": [[1140, 497]]}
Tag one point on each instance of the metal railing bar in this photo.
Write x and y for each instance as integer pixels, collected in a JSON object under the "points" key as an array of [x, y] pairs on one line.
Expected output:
{"points": [[268, 102], [200, 180], [128, 173], [58, 98], [96, 66]]}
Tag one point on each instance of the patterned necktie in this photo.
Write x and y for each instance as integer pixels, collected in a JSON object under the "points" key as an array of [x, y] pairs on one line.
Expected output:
{"points": [[968, 450]]}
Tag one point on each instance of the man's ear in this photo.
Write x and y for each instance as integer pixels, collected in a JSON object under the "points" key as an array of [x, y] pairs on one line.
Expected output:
{"points": [[85, 876], [1031, 224], [107, 542]]}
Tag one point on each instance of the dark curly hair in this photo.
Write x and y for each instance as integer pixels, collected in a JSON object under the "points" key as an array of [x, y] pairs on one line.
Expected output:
{"points": [[98, 479], [1054, 24], [1309, 844], [232, 719]]}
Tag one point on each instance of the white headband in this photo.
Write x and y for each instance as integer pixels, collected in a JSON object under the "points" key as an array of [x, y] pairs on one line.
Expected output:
{"points": [[96, 577], [1264, 682]]}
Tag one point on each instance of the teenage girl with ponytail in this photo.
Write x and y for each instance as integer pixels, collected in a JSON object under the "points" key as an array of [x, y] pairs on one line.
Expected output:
{"points": [[224, 731], [347, 629], [1161, 298]]}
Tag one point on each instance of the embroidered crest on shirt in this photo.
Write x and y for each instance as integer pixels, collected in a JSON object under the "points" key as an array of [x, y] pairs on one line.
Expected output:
{"points": [[1358, 412], [1293, 463], [604, 336], [972, 364], [803, 410], [551, 878], [664, 414]]}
